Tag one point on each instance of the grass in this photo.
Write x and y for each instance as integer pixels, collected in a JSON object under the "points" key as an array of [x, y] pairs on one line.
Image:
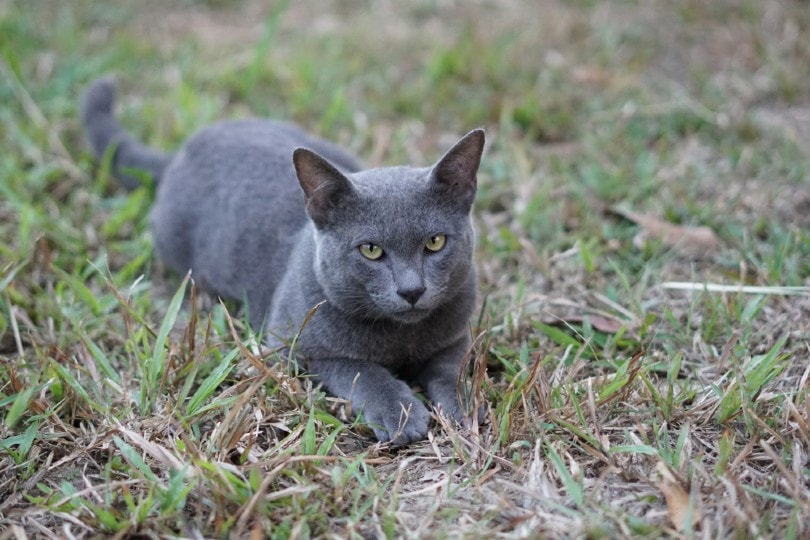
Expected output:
{"points": [[616, 407]]}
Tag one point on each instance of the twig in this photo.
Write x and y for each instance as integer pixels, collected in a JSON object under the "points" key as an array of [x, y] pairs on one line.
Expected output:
{"points": [[15, 329], [748, 289]]}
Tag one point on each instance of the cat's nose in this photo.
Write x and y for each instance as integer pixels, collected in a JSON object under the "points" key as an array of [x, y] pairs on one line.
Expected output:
{"points": [[412, 295]]}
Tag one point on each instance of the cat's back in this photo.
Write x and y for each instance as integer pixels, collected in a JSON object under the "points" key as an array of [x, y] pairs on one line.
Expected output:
{"points": [[232, 179], [245, 133], [228, 174], [256, 147], [229, 205]]}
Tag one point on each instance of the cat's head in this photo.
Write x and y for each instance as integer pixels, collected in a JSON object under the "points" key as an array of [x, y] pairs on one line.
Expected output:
{"points": [[393, 243]]}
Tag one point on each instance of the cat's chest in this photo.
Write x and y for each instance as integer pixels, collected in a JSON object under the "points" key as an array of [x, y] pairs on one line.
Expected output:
{"points": [[400, 344], [391, 345]]}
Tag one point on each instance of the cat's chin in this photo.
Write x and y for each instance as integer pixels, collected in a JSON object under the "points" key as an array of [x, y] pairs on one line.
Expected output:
{"points": [[410, 316]]}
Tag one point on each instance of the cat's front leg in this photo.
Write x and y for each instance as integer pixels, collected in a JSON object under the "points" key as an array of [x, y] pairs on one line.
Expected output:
{"points": [[387, 403], [440, 377]]}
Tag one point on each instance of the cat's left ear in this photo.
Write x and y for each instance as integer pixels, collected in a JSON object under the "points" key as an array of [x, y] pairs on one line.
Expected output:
{"points": [[455, 172], [324, 186]]}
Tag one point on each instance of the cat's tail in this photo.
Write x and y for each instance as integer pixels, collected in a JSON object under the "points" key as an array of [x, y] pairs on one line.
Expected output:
{"points": [[102, 130]]}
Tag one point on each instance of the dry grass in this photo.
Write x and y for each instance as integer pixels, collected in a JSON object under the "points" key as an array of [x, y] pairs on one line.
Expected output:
{"points": [[617, 405]]}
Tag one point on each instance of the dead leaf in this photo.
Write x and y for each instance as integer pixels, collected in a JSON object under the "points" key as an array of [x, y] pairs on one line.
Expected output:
{"points": [[435, 475], [688, 239], [591, 75], [681, 514]]}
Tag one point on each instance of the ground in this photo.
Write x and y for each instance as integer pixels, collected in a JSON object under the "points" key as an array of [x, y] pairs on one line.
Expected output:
{"points": [[643, 221]]}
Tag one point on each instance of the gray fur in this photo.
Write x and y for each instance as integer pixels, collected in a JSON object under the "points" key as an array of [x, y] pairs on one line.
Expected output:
{"points": [[103, 130], [260, 211]]}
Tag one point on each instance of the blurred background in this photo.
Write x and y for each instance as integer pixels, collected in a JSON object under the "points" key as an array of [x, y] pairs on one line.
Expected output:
{"points": [[694, 112]]}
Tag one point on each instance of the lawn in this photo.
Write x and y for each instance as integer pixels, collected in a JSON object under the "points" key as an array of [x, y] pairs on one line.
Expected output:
{"points": [[643, 219]]}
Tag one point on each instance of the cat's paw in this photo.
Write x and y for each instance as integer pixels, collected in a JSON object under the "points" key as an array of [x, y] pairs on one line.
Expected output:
{"points": [[454, 410], [448, 405], [398, 421]]}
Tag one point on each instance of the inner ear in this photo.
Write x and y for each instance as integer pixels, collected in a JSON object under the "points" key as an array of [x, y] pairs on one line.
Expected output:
{"points": [[455, 172], [324, 186]]}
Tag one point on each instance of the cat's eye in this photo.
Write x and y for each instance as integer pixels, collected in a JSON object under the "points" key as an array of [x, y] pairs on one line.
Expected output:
{"points": [[436, 242], [371, 251]]}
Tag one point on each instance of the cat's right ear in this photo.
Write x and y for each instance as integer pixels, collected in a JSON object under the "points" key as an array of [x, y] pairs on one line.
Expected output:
{"points": [[324, 186], [455, 173]]}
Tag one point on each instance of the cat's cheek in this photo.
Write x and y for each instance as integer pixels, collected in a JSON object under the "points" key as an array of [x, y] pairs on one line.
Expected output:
{"points": [[441, 267], [374, 285]]}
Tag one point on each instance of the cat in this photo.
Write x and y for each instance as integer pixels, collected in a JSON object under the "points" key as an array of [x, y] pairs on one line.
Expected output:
{"points": [[262, 212]]}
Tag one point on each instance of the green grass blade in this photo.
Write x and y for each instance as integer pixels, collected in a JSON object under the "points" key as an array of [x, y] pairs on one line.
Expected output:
{"points": [[82, 292], [762, 369], [308, 438], [211, 383], [10, 273], [180, 485], [557, 336], [19, 406], [156, 365], [77, 387], [572, 486], [134, 458], [101, 360], [23, 442], [644, 449]]}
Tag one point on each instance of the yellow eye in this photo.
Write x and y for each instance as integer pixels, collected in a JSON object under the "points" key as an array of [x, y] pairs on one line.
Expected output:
{"points": [[371, 251], [435, 243]]}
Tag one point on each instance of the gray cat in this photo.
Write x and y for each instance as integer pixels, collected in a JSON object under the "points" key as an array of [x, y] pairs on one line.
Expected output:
{"points": [[263, 213]]}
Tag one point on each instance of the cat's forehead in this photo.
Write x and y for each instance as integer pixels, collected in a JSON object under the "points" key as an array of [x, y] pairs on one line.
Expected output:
{"points": [[391, 182], [395, 203], [396, 196]]}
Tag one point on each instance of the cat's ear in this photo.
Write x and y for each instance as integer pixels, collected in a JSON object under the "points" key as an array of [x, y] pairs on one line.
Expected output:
{"points": [[454, 174], [324, 186]]}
